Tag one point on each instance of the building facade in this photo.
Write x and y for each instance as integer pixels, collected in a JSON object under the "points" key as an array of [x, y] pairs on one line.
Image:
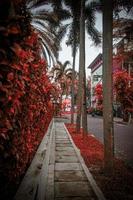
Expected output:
{"points": [[122, 60], [96, 76]]}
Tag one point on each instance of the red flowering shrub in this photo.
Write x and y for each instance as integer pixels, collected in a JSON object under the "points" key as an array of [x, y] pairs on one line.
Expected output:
{"points": [[117, 186], [123, 87], [25, 99], [99, 98], [91, 149], [99, 94], [123, 91]]}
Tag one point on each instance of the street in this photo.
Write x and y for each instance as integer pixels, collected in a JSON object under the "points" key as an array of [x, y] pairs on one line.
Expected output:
{"points": [[123, 137]]}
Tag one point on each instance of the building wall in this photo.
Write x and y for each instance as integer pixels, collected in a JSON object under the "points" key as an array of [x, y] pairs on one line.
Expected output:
{"points": [[96, 77]]}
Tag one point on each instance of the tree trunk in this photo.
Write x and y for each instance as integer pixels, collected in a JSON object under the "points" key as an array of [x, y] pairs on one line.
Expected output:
{"points": [[73, 77], [108, 87], [82, 76], [82, 49]]}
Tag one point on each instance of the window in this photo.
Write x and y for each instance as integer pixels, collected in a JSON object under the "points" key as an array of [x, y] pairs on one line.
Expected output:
{"points": [[97, 77]]}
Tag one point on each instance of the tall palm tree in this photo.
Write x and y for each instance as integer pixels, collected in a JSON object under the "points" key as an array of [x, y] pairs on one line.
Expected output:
{"points": [[107, 76], [107, 79], [62, 74], [74, 32], [81, 93], [108, 86], [73, 41], [86, 13]]}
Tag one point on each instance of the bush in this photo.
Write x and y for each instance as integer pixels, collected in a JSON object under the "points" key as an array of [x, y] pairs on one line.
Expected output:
{"points": [[25, 101]]}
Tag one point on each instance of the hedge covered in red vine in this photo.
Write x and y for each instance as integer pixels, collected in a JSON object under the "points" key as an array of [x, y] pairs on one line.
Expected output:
{"points": [[25, 99]]}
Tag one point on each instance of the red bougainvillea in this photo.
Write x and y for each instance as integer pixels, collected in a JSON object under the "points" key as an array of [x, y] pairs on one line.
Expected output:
{"points": [[117, 186], [123, 88], [99, 96], [91, 149], [26, 107], [123, 92], [25, 99]]}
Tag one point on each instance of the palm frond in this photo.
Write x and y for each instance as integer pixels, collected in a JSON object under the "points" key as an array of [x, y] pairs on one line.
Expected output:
{"points": [[57, 5], [49, 18], [32, 4], [63, 14], [61, 32], [94, 34], [48, 42], [47, 51], [66, 63], [90, 24]]}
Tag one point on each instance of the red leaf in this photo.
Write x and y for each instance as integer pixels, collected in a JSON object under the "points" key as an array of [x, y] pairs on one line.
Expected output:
{"points": [[14, 30], [10, 76]]}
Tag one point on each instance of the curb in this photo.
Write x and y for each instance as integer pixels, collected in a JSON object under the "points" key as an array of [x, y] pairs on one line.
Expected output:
{"points": [[93, 183]]}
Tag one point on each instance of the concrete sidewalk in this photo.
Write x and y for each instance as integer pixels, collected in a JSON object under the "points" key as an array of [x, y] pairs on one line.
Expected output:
{"points": [[63, 174]]}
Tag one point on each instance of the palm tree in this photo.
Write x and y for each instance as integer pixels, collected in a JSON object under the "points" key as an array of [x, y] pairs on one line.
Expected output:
{"points": [[73, 38], [74, 33], [73, 41], [81, 94], [107, 86], [107, 78], [62, 75], [82, 83], [47, 23]]}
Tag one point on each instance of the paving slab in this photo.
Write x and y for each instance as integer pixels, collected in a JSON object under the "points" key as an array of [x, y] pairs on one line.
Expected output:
{"points": [[66, 159], [69, 176], [71, 189], [75, 198], [63, 145], [65, 153], [63, 148], [61, 137], [67, 166], [63, 141], [60, 129]]}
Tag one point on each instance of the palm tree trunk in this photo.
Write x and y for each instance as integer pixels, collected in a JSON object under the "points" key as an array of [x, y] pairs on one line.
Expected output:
{"points": [[84, 110], [82, 49], [72, 97], [82, 75], [80, 85], [108, 86], [79, 104]]}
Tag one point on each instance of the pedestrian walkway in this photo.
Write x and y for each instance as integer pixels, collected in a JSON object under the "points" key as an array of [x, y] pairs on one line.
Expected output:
{"points": [[58, 171]]}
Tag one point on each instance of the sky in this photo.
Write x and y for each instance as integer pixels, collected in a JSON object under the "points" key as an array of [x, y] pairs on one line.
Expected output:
{"points": [[91, 50]]}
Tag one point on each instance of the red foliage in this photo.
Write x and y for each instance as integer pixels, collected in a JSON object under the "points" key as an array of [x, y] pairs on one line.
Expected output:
{"points": [[99, 96], [117, 186], [91, 149], [123, 88], [25, 107]]}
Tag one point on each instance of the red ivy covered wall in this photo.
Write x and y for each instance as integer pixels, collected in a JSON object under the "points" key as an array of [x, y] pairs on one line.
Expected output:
{"points": [[25, 96]]}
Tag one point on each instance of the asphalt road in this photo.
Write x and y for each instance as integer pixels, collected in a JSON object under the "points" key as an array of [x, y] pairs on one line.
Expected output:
{"points": [[123, 137]]}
